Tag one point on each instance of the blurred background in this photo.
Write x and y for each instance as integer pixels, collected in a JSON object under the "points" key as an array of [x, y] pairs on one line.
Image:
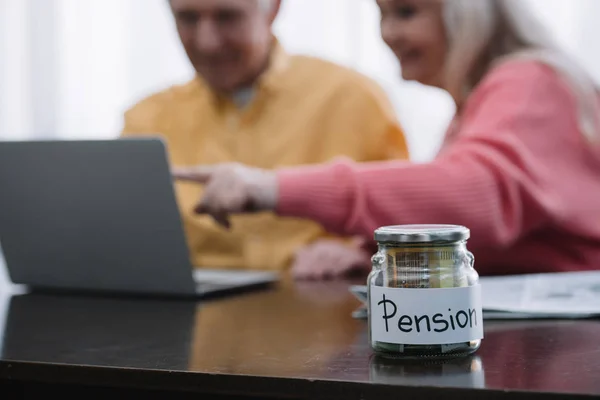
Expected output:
{"points": [[70, 68]]}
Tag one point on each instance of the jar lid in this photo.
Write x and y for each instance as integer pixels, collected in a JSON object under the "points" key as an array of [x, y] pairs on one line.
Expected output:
{"points": [[422, 233]]}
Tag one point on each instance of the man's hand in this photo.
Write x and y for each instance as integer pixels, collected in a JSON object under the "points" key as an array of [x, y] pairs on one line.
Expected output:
{"points": [[230, 189], [330, 259]]}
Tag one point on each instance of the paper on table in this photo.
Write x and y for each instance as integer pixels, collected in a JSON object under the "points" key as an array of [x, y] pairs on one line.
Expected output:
{"points": [[554, 295], [569, 293]]}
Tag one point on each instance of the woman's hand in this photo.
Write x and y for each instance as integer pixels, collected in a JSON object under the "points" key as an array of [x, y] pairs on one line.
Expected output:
{"points": [[231, 189]]}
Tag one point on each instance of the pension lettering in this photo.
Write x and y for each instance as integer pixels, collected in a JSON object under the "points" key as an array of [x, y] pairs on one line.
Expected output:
{"points": [[439, 322]]}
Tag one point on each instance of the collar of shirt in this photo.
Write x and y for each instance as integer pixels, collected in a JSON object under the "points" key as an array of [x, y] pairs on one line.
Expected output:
{"points": [[271, 80]]}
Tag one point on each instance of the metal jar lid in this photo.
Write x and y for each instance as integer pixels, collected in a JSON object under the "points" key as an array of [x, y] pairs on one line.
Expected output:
{"points": [[422, 234]]}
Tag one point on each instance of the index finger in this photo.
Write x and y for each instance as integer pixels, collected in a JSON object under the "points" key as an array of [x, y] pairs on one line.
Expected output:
{"points": [[198, 174]]}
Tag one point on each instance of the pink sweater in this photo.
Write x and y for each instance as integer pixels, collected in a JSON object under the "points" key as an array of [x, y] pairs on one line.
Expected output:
{"points": [[516, 170]]}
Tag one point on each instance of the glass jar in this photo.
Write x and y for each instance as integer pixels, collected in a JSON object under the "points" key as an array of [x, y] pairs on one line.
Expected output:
{"points": [[424, 294]]}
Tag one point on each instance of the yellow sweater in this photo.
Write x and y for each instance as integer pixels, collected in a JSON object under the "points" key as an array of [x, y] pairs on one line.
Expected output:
{"points": [[303, 111]]}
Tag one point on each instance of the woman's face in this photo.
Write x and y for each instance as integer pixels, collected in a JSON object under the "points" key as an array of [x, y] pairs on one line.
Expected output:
{"points": [[414, 30]]}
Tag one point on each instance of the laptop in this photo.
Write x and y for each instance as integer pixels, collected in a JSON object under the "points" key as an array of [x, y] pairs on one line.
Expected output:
{"points": [[101, 216]]}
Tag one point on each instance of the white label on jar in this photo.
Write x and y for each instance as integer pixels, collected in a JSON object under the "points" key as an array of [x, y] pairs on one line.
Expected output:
{"points": [[426, 316]]}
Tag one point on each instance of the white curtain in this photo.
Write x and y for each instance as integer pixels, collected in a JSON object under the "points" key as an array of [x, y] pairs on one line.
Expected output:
{"points": [[69, 68]]}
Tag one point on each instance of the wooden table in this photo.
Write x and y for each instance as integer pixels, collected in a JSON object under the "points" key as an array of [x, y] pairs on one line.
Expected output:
{"points": [[297, 341]]}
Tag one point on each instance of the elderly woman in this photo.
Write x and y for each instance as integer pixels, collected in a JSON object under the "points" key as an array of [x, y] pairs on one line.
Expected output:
{"points": [[520, 165]]}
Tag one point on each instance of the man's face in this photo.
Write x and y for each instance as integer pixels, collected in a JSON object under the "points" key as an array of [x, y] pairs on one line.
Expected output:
{"points": [[227, 41]]}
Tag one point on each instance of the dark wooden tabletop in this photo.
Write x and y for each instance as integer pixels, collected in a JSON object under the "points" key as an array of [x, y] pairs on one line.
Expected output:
{"points": [[297, 340]]}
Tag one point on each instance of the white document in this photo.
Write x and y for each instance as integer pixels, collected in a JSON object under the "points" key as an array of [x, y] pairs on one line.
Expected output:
{"points": [[553, 295], [573, 294]]}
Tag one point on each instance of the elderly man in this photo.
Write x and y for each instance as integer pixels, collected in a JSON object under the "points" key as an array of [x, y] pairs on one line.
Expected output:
{"points": [[253, 103]]}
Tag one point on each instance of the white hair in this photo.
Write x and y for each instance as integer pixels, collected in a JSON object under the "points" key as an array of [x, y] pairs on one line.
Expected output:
{"points": [[482, 33]]}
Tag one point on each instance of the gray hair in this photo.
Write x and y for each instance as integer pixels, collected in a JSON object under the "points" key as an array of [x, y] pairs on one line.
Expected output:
{"points": [[264, 5], [482, 33]]}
